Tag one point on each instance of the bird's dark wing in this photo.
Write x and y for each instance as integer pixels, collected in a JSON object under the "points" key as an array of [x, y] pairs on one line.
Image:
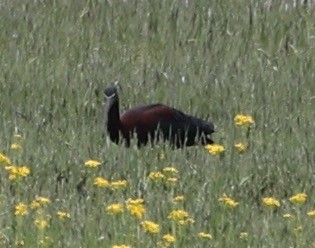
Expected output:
{"points": [[189, 129], [174, 125]]}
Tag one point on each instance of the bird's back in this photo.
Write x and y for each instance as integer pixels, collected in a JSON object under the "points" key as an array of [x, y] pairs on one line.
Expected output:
{"points": [[174, 125]]}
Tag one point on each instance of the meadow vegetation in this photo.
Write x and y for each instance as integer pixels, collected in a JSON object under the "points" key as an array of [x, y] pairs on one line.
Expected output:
{"points": [[64, 185]]}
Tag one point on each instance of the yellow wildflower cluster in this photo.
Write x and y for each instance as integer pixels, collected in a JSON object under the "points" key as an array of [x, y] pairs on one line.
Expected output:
{"points": [[21, 209], [137, 201], [136, 207], [172, 180], [215, 149], [121, 246], [240, 147], [92, 163], [179, 198], [298, 198], [156, 175], [116, 208], [39, 202], [180, 216], [63, 214], [4, 159], [118, 184], [169, 175], [41, 223], [204, 235], [311, 213], [16, 146], [298, 230], [17, 172], [169, 238], [287, 216], [243, 120], [270, 202], [170, 171], [103, 183], [228, 201], [244, 235], [150, 226], [19, 243]]}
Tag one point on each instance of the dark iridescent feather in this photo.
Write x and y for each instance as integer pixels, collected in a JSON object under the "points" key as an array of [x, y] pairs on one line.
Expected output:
{"points": [[153, 122]]}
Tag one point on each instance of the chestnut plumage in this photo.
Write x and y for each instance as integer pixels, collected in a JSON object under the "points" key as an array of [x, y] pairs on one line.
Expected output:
{"points": [[153, 123]]}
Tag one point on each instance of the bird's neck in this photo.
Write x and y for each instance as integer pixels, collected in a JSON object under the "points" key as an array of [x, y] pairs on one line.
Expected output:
{"points": [[112, 120]]}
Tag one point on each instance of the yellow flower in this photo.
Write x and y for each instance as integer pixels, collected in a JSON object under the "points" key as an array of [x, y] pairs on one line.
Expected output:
{"points": [[116, 208], [186, 221], [21, 209], [169, 238], [63, 214], [35, 204], [101, 182], [172, 180], [137, 210], [4, 159], [215, 149], [42, 200], [311, 213], [119, 184], [228, 201], [39, 202], [19, 243], [204, 235], [243, 120], [11, 169], [92, 163], [243, 235], [270, 202], [287, 216], [298, 230], [137, 201], [16, 146], [136, 207], [23, 171], [178, 215], [121, 246], [41, 224], [150, 226], [179, 198], [240, 147], [170, 171], [298, 198], [156, 175], [17, 172]]}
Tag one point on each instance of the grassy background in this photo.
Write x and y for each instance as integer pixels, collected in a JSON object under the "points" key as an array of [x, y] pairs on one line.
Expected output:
{"points": [[213, 59]]}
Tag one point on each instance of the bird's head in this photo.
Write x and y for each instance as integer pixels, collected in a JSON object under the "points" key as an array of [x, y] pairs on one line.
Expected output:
{"points": [[110, 92]]}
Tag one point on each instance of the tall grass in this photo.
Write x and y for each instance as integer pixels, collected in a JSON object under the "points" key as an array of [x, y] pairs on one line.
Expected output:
{"points": [[212, 59]]}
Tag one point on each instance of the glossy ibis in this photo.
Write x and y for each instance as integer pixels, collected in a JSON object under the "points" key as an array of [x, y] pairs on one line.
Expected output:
{"points": [[153, 122]]}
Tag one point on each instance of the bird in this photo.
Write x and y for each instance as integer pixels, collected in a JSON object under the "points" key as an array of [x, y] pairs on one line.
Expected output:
{"points": [[152, 123]]}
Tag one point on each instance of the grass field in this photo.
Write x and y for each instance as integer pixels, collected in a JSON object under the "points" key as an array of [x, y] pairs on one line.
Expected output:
{"points": [[212, 59]]}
